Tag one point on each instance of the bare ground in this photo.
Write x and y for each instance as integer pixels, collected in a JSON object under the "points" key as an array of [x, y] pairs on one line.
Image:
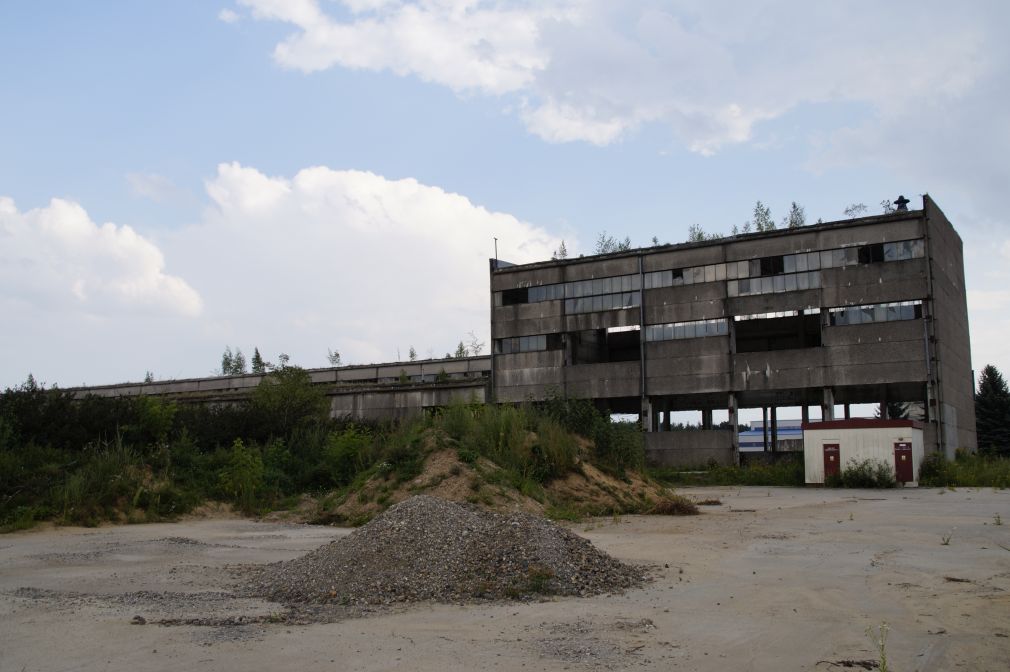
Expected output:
{"points": [[770, 579]]}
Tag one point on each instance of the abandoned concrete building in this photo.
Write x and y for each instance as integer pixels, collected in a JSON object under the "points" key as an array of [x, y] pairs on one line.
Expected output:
{"points": [[867, 310]]}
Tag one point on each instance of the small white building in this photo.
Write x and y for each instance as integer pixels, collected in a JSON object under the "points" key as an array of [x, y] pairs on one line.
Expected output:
{"points": [[828, 447]]}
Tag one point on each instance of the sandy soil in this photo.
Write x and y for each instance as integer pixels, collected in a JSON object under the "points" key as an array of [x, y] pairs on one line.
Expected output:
{"points": [[771, 579]]}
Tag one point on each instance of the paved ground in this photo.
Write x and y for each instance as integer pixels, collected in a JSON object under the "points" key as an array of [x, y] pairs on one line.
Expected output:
{"points": [[771, 579]]}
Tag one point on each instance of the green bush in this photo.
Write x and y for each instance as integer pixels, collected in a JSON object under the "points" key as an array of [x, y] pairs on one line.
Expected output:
{"points": [[242, 477], [346, 453], [868, 473], [968, 470]]}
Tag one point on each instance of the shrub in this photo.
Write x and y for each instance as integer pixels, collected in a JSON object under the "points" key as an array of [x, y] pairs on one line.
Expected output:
{"points": [[869, 473], [967, 470], [346, 453], [243, 475]]}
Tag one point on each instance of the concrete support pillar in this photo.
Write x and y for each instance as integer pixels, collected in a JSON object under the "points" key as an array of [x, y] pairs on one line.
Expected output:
{"points": [[706, 419], [666, 415], [764, 428], [848, 411], [828, 404], [882, 412], [775, 429], [806, 413], [649, 417], [734, 421]]}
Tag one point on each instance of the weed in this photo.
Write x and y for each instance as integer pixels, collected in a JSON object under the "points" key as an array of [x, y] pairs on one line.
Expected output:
{"points": [[674, 505], [997, 520], [975, 471], [455, 470], [563, 512], [869, 473], [945, 539], [538, 579], [879, 639]]}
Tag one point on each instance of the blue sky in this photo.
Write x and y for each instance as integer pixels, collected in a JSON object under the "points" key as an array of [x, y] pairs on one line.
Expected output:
{"points": [[301, 176]]}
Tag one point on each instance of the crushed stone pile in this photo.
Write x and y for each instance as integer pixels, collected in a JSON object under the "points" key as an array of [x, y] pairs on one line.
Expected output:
{"points": [[426, 548]]}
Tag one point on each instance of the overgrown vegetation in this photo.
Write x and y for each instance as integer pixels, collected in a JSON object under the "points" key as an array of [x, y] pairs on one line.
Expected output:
{"points": [[867, 473], [967, 470], [786, 472], [83, 461]]}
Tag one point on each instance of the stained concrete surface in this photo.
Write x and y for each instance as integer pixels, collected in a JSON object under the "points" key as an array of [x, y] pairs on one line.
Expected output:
{"points": [[770, 579]]}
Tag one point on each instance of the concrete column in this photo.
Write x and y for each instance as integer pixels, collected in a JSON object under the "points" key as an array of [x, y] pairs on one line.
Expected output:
{"points": [[648, 416], [706, 419], [775, 429], [828, 404], [734, 421], [882, 410], [764, 427], [806, 413], [848, 411], [666, 415]]}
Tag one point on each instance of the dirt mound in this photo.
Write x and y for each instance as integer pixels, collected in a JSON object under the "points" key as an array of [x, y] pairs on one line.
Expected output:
{"points": [[427, 548], [585, 491]]}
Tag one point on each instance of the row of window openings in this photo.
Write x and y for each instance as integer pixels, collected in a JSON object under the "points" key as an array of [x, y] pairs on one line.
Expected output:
{"points": [[751, 268], [788, 263], [881, 312], [885, 312], [792, 282]]}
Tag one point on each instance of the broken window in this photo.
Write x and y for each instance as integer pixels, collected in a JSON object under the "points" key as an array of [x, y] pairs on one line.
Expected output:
{"points": [[778, 331], [594, 346]]}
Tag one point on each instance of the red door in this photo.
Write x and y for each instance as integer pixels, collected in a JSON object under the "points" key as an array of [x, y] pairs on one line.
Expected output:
{"points": [[903, 462], [831, 459]]}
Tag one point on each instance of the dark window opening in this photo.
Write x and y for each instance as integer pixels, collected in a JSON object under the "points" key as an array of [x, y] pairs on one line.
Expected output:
{"points": [[778, 333], [869, 254], [594, 346], [511, 297], [767, 266]]}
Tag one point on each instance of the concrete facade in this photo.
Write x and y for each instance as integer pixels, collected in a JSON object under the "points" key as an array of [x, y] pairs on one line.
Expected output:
{"points": [[370, 392], [867, 310]]}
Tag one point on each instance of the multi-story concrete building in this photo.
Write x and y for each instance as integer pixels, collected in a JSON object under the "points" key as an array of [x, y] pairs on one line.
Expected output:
{"points": [[866, 310]]}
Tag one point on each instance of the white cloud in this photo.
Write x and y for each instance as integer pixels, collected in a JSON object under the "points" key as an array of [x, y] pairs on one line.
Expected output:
{"points": [[228, 15], [348, 260], [339, 259], [56, 258], [595, 70]]}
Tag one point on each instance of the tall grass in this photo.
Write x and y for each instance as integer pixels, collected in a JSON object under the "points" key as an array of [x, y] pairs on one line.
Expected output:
{"points": [[970, 471], [784, 473]]}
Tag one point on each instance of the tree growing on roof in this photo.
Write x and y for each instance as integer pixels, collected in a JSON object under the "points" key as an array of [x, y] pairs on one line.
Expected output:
{"points": [[606, 244], [763, 217]]}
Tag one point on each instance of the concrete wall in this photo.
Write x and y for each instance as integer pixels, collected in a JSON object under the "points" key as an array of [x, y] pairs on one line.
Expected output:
{"points": [[372, 392], [860, 363], [689, 447], [949, 327]]}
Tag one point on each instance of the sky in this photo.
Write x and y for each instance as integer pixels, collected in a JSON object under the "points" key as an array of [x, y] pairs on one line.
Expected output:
{"points": [[300, 176]]}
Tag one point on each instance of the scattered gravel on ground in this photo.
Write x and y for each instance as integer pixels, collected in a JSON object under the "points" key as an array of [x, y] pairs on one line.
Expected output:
{"points": [[427, 548]]}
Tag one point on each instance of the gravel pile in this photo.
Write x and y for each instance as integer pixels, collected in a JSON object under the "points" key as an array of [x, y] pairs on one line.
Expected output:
{"points": [[426, 548]]}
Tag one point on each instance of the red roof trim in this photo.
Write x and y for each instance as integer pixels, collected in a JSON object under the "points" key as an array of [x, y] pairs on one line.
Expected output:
{"points": [[861, 423]]}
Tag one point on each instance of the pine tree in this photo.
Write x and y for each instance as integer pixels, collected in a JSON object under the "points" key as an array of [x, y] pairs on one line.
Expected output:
{"points": [[992, 412], [561, 252], [412, 354], [461, 350], [227, 361], [258, 365], [796, 218]]}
